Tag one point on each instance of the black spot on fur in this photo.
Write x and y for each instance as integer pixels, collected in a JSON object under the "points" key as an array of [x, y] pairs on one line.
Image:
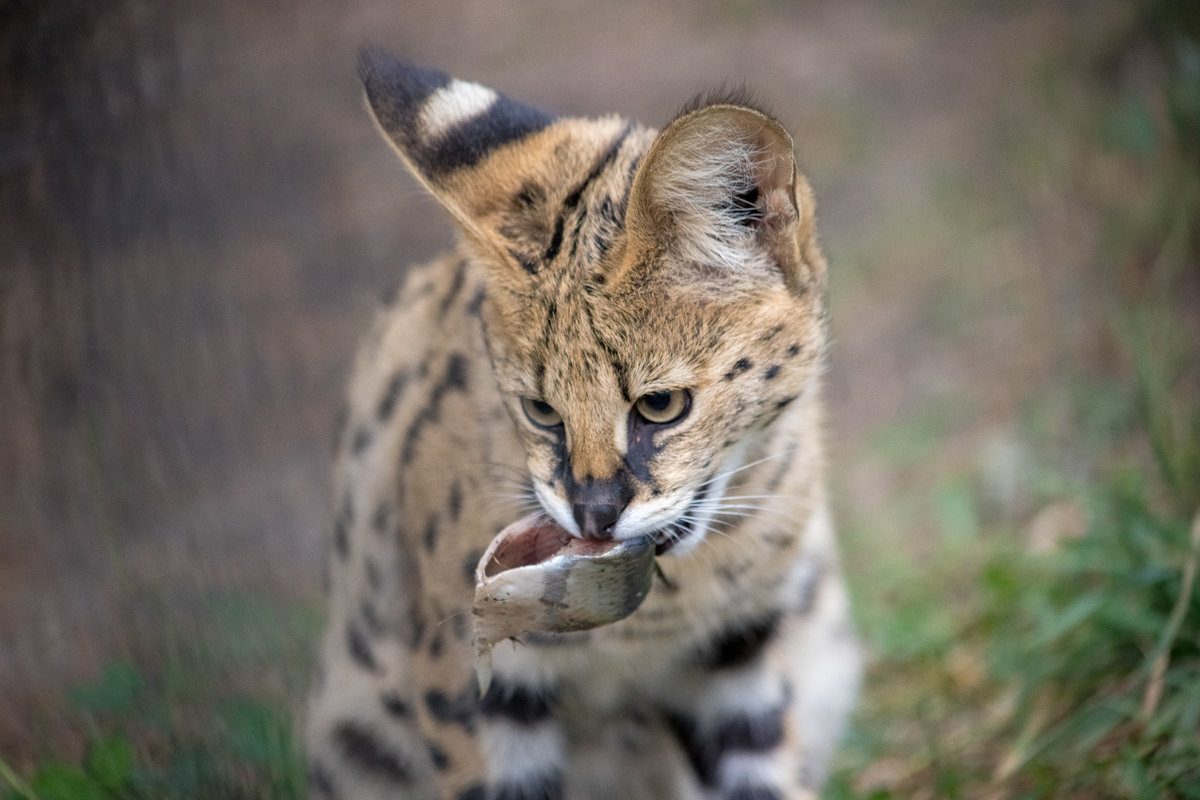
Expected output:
{"points": [[456, 373], [469, 563], [459, 710], [771, 334], [441, 761], [476, 303], [435, 644], [416, 627], [341, 539], [473, 792], [320, 784], [757, 733], [362, 747], [526, 261], [460, 276], [362, 440], [555, 242], [341, 528], [516, 703], [740, 366], [785, 402], [695, 747], [771, 372], [793, 351], [395, 706], [530, 194], [391, 395], [359, 648], [741, 643], [454, 502], [454, 379], [431, 534]]}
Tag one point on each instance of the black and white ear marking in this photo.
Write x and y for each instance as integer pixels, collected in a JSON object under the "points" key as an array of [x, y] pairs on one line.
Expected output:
{"points": [[438, 123]]}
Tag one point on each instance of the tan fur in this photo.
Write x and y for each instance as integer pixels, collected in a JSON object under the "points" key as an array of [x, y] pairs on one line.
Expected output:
{"points": [[650, 286]]}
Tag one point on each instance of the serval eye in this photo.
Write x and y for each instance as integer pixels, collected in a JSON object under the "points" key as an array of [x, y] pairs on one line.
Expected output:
{"points": [[661, 408], [541, 413]]}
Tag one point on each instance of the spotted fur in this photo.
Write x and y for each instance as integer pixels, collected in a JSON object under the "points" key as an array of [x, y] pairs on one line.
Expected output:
{"points": [[600, 262]]}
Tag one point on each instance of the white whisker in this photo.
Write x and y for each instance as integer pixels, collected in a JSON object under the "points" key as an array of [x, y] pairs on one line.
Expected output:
{"points": [[731, 472]]}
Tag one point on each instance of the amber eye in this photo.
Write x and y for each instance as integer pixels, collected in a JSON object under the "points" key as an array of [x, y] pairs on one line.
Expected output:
{"points": [[541, 413], [663, 407]]}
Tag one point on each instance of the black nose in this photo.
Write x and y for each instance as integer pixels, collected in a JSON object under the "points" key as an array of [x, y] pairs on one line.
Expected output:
{"points": [[596, 521]]}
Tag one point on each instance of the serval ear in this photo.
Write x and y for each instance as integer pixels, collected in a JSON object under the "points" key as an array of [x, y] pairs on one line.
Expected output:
{"points": [[721, 184], [469, 145]]}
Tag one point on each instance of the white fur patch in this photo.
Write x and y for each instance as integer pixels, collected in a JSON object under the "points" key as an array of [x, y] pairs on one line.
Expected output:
{"points": [[753, 691], [651, 515], [453, 105], [656, 514], [519, 753], [750, 769], [556, 507]]}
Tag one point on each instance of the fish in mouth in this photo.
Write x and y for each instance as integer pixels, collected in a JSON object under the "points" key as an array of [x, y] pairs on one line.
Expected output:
{"points": [[536, 577]]}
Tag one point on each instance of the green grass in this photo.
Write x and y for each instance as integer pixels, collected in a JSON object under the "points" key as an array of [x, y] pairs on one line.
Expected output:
{"points": [[1058, 655], [213, 719]]}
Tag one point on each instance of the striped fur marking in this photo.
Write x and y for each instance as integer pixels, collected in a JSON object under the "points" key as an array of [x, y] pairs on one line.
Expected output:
{"points": [[441, 124], [741, 643], [364, 747], [517, 703], [757, 733]]}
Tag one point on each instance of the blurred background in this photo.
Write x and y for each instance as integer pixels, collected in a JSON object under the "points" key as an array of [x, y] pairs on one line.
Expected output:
{"points": [[197, 220]]}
